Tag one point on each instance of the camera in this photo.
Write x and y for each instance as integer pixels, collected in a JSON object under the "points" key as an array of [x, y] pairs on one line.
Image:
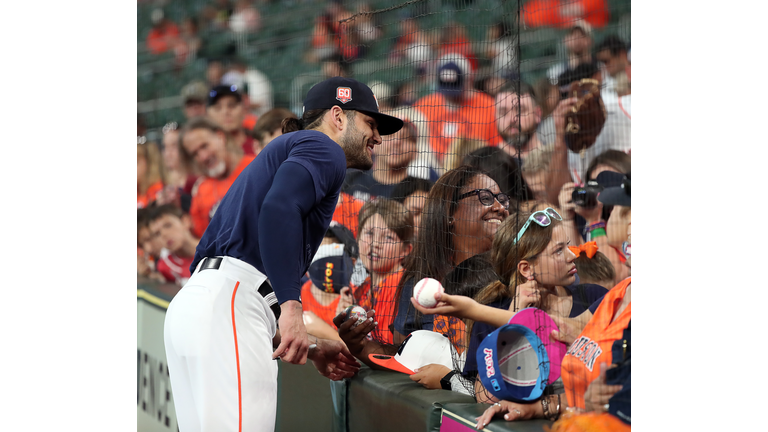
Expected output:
{"points": [[586, 196]]}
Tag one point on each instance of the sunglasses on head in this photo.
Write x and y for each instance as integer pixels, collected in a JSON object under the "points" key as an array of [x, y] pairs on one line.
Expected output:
{"points": [[486, 197], [542, 218]]}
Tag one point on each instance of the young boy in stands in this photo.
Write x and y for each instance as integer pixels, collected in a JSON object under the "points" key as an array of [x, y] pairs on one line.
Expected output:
{"points": [[169, 226], [385, 238]]}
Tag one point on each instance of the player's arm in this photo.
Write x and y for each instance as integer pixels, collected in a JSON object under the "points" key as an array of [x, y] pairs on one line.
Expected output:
{"points": [[280, 231]]}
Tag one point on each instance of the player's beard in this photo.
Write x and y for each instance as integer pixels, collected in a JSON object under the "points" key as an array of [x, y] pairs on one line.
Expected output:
{"points": [[354, 144]]}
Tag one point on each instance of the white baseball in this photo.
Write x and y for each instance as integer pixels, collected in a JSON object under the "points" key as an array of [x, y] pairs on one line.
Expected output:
{"points": [[424, 292]]}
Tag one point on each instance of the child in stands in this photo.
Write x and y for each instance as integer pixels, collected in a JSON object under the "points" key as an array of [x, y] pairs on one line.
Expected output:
{"points": [[171, 227]]}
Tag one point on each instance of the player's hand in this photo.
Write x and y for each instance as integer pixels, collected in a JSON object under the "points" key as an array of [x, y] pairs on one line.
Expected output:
{"points": [[565, 201], [294, 343], [599, 393], [512, 411], [451, 305], [430, 375], [345, 299], [526, 295], [354, 337], [333, 360]]}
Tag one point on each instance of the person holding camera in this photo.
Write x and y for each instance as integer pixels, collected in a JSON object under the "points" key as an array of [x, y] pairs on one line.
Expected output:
{"points": [[581, 200]]}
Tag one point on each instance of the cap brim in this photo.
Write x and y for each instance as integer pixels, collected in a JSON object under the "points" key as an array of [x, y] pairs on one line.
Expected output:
{"points": [[542, 324], [615, 196], [389, 362], [387, 125]]}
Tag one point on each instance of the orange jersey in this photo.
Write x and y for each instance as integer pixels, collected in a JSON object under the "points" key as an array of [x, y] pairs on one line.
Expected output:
{"points": [[310, 304], [454, 328], [581, 364], [549, 13], [208, 194], [474, 119], [383, 300], [143, 200], [347, 210]]}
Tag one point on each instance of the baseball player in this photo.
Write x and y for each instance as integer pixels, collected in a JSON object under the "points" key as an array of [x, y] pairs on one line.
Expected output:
{"points": [[243, 297]]}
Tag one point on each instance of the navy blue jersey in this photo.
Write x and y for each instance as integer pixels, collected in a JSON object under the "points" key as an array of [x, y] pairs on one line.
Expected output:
{"points": [[275, 214]]}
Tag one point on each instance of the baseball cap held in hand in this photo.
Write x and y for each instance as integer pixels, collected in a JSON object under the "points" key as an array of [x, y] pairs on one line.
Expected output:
{"points": [[420, 348], [512, 364], [350, 94]]}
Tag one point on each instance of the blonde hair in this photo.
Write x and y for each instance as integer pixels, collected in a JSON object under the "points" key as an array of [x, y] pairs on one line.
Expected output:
{"points": [[151, 154], [459, 148], [538, 159]]}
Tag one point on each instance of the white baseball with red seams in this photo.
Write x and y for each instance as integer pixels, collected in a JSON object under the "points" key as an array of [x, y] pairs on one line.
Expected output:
{"points": [[424, 291]]}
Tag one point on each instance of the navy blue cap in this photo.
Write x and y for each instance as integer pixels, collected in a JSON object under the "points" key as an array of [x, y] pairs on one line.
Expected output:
{"points": [[350, 94], [331, 268], [223, 90], [450, 79], [512, 365], [617, 195]]}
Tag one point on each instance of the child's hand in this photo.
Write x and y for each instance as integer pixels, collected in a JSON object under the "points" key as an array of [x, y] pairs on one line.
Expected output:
{"points": [[346, 299], [526, 295]]}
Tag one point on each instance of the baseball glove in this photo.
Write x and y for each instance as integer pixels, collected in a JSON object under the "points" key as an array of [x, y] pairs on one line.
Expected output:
{"points": [[587, 117]]}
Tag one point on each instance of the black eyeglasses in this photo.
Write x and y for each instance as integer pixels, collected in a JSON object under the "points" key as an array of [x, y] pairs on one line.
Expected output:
{"points": [[486, 197]]}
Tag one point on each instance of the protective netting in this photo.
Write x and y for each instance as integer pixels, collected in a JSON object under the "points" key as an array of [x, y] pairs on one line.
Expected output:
{"points": [[500, 123]]}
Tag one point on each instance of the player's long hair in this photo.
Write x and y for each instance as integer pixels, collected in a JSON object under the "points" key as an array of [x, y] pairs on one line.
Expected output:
{"points": [[311, 119]]}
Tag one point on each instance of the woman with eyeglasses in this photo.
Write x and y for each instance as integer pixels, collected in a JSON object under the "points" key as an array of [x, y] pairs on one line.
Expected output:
{"points": [[595, 377], [464, 209]]}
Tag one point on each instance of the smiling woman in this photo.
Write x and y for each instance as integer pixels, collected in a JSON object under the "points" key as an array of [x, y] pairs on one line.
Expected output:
{"points": [[457, 223]]}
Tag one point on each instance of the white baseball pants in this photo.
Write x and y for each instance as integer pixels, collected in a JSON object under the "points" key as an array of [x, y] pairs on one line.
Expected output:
{"points": [[218, 340]]}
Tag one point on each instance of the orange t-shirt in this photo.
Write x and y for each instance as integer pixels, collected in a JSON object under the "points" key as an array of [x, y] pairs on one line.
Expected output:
{"points": [[159, 39], [143, 200], [475, 119], [208, 194], [382, 299], [309, 304], [581, 364], [347, 210]]}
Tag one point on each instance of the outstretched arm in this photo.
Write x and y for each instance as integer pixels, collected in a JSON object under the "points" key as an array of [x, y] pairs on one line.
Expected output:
{"points": [[359, 345]]}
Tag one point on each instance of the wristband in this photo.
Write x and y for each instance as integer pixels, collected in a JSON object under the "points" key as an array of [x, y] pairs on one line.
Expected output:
{"points": [[445, 382], [599, 232], [600, 224]]}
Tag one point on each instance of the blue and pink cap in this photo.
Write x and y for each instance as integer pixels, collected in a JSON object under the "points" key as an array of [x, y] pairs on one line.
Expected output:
{"points": [[517, 361]]}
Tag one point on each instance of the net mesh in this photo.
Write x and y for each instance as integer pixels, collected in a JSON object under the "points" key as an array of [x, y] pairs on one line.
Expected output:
{"points": [[478, 83]]}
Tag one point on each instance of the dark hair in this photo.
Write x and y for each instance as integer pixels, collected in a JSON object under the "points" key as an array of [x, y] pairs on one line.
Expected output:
{"points": [[517, 87], [584, 70], [156, 213], [612, 43], [470, 276], [142, 218], [616, 159], [271, 121], [432, 255], [503, 169], [195, 123], [310, 120], [409, 186]]}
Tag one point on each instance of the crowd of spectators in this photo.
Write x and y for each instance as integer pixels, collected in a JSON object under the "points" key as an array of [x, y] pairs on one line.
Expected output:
{"points": [[450, 197]]}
